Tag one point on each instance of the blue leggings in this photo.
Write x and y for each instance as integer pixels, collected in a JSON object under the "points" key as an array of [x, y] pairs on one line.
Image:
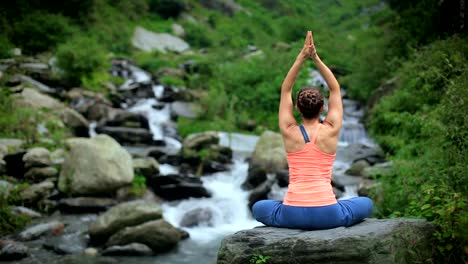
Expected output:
{"points": [[344, 213]]}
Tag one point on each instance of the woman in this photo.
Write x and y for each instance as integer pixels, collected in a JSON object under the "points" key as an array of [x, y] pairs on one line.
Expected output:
{"points": [[310, 149]]}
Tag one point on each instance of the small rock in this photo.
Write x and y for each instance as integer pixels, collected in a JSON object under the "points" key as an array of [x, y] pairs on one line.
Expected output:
{"points": [[36, 192], [178, 30], [16, 52], [90, 251], [12, 251], [38, 174], [20, 210], [133, 249], [34, 232], [146, 166], [58, 156], [357, 168], [201, 140], [37, 157], [197, 217]]}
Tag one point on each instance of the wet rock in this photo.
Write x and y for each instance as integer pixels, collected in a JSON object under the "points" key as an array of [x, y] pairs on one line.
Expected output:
{"points": [[133, 249], [371, 241], [357, 168], [36, 192], [127, 135], [149, 41], [146, 166], [20, 210], [121, 216], [260, 192], [197, 217], [52, 228], [95, 166], [80, 205], [158, 235], [201, 140], [11, 251], [39, 174], [175, 187], [66, 244], [338, 193]]}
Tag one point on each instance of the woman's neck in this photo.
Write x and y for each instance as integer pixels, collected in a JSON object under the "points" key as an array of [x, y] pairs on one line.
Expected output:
{"points": [[311, 122]]}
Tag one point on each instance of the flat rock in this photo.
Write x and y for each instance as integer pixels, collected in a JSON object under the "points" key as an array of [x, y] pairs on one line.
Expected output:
{"points": [[36, 231], [371, 241], [149, 41], [122, 216], [85, 204], [133, 249]]}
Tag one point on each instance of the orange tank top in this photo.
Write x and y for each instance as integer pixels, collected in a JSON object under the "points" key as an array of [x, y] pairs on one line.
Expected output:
{"points": [[310, 172]]}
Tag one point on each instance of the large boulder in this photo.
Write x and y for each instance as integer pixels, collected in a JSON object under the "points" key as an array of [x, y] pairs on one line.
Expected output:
{"points": [[371, 241], [149, 41], [158, 235], [95, 166], [269, 156], [121, 216]]}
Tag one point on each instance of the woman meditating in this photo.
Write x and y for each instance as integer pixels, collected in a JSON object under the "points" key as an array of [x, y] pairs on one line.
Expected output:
{"points": [[311, 150]]}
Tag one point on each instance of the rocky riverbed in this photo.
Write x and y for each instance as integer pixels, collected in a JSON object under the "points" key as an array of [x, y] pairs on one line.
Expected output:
{"points": [[128, 186]]}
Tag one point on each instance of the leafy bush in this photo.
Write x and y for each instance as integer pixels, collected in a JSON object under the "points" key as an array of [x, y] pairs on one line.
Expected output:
{"points": [[80, 58], [5, 48], [138, 185], [40, 31], [423, 126], [10, 223]]}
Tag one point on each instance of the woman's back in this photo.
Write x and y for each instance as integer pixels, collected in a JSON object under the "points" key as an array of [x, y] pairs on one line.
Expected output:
{"points": [[310, 171]]}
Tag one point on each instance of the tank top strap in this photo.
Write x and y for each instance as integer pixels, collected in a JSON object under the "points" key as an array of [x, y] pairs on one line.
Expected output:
{"points": [[304, 133], [314, 134]]}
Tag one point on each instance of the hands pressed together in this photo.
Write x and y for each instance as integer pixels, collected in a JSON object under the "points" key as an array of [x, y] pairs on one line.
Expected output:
{"points": [[308, 51]]}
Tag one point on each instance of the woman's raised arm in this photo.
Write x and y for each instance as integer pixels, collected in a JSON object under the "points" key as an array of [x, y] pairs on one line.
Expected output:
{"points": [[335, 106], [285, 114]]}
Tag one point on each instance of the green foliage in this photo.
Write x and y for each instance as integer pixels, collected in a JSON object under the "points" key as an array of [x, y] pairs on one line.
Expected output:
{"points": [[259, 259], [17, 122], [423, 126], [138, 185], [5, 48], [10, 223], [40, 31], [81, 58]]}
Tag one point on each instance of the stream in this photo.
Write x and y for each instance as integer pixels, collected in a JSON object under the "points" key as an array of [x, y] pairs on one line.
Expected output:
{"points": [[228, 201]]}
